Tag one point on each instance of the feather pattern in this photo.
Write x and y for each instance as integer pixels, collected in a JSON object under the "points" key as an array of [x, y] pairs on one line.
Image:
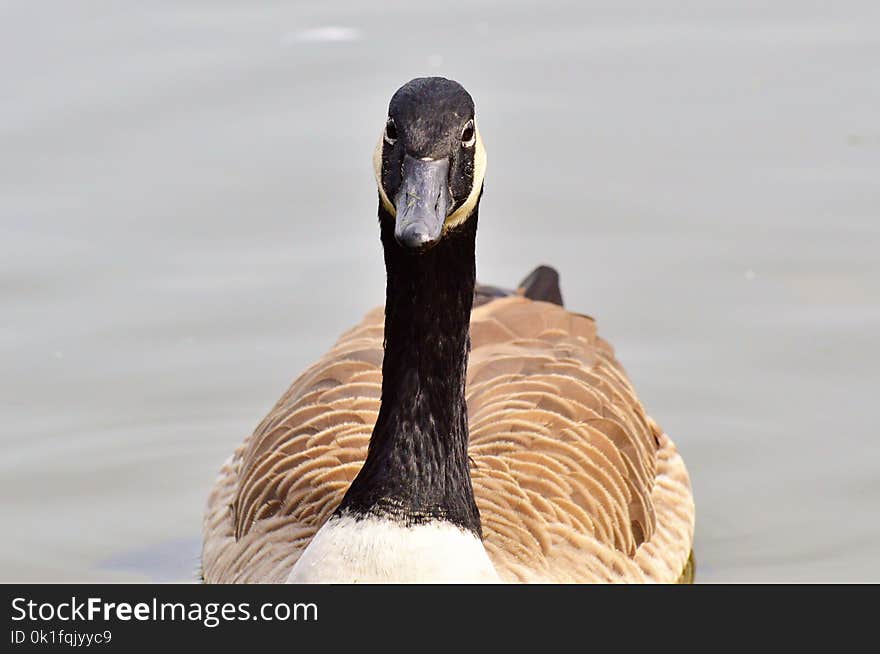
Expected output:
{"points": [[574, 482]]}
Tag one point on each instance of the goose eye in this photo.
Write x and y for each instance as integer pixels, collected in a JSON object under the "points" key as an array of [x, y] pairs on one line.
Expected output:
{"points": [[390, 132], [468, 134]]}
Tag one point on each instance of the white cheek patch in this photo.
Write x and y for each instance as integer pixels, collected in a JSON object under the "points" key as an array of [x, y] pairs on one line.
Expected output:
{"points": [[459, 215], [377, 169]]}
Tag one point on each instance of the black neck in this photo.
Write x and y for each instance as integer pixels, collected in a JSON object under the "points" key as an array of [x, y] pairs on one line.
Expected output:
{"points": [[417, 464]]}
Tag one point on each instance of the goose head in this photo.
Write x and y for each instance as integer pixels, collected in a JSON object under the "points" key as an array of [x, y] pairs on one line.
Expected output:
{"points": [[429, 162]]}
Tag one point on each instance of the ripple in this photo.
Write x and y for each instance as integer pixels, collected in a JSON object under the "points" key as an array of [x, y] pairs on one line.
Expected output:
{"points": [[326, 34]]}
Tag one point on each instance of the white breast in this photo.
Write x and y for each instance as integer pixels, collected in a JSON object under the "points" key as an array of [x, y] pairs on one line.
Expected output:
{"points": [[378, 550]]}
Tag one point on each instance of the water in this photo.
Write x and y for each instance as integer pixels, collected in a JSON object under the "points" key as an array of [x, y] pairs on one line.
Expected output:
{"points": [[188, 219]]}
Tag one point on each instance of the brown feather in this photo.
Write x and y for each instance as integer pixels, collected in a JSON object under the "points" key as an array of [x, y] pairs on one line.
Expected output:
{"points": [[573, 481]]}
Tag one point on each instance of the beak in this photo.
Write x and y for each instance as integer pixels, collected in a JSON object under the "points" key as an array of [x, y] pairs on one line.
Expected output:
{"points": [[422, 202]]}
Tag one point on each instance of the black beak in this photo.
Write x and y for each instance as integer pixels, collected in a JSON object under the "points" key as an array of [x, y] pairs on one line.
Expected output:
{"points": [[422, 202]]}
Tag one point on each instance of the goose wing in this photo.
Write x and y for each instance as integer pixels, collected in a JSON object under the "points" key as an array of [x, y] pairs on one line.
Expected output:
{"points": [[573, 481]]}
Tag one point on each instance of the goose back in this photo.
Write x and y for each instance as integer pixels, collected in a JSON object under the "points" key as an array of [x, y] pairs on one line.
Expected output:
{"points": [[574, 482]]}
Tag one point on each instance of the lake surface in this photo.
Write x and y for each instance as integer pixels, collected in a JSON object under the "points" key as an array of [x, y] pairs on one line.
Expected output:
{"points": [[189, 219]]}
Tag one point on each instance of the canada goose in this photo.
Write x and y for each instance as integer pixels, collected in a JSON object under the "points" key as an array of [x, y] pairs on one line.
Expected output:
{"points": [[530, 460]]}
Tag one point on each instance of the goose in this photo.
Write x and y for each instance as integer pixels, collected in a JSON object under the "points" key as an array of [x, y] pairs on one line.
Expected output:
{"points": [[463, 433]]}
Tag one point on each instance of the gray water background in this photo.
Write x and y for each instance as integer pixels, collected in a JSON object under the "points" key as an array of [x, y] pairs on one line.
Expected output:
{"points": [[188, 219]]}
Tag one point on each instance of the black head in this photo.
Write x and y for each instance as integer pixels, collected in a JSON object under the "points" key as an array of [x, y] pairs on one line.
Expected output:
{"points": [[430, 161]]}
